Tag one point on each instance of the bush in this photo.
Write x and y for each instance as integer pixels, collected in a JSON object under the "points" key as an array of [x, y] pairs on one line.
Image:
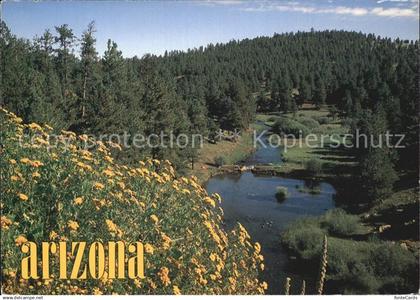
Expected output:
{"points": [[371, 267], [66, 193], [288, 126], [314, 166], [338, 222], [281, 193], [308, 122], [304, 239], [323, 120], [220, 161], [354, 267]]}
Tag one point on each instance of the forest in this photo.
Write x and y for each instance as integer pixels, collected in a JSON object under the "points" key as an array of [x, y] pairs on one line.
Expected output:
{"points": [[60, 79]]}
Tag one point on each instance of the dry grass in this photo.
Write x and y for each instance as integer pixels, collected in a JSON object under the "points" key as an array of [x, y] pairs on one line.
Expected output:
{"points": [[231, 151]]}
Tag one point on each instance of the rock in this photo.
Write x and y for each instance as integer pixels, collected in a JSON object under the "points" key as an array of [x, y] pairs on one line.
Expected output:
{"points": [[382, 228]]}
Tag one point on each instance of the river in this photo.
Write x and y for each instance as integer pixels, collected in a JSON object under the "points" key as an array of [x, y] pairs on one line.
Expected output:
{"points": [[250, 199]]}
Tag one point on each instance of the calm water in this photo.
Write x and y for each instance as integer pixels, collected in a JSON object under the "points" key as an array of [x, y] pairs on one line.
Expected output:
{"points": [[250, 200]]}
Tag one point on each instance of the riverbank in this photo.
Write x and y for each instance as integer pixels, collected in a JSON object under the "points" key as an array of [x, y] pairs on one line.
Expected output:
{"points": [[365, 229], [232, 152]]}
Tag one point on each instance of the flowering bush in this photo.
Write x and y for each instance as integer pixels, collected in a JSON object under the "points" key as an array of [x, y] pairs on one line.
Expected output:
{"points": [[70, 194]]}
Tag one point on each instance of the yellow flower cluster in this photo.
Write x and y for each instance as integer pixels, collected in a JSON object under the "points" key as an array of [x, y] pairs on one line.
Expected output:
{"points": [[113, 228], [69, 193]]}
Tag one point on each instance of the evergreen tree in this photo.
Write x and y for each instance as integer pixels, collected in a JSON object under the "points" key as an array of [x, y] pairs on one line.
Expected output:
{"points": [[88, 59]]}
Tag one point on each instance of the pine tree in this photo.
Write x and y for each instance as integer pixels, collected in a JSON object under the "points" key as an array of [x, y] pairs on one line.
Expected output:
{"points": [[65, 40], [88, 59]]}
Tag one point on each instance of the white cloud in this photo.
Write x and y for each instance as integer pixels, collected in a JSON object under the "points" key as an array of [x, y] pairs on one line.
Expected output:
{"points": [[339, 10], [221, 2], [398, 1], [342, 10], [394, 12]]}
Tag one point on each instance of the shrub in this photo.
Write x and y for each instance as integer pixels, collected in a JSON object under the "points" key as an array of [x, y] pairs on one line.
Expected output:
{"points": [[220, 161], [288, 126], [354, 267], [338, 222], [323, 120], [308, 122], [314, 166], [371, 267], [68, 193], [281, 193], [304, 239]]}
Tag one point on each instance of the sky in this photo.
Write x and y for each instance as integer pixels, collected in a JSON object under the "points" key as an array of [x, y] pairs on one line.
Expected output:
{"points": [[140, 27]]}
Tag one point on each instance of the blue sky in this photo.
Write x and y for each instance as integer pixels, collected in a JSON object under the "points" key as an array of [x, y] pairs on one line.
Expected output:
{"points": [[141, 27]]}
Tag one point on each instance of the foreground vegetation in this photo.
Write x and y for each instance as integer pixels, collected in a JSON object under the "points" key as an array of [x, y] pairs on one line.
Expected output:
{"points": [[367, 266], [71, 194]]}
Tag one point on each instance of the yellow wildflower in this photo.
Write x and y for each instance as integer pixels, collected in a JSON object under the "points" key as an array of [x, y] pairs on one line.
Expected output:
{"points": [[23, 197], [185, 191], [213, 257], [11, 272], [109, 159], [97, 291], [35, 126], [176, 290], [25, 160], [148, 248], [164, 276], [5, 222], [48, 127], [53, 235], [73, 225], [111, 225], [20, 240], [154, 218], [108, 173], [14, 178], [83, 137], [36, 163], [264, 285], [98, 186], [78, 200], [210, 201], [166, 241], [12, 161], [36, 175], [257, 247]]}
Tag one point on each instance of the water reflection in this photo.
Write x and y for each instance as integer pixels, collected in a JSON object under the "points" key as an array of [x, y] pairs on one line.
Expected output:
{"points": [[250, 200]]}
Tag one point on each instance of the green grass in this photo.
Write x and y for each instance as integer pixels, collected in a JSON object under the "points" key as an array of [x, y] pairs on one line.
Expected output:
{"points": [[296, 157], [354, 267]]}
